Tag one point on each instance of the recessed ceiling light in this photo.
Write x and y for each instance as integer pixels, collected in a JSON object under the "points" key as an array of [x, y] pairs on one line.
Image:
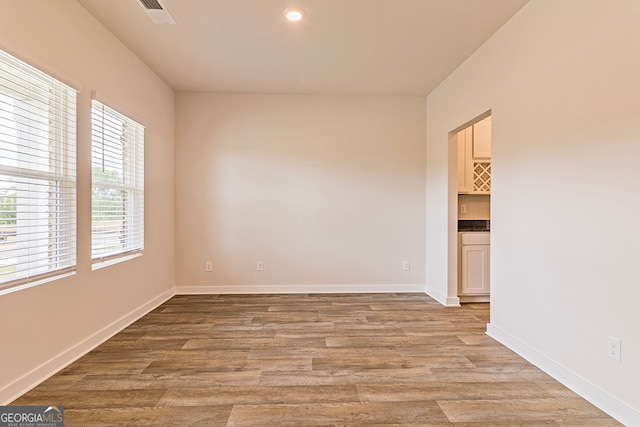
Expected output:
{"points": [[294, 14]]}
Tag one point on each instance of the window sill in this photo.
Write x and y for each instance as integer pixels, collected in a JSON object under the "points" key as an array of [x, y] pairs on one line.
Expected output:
{"points": [[28, 285], [97, 265]]}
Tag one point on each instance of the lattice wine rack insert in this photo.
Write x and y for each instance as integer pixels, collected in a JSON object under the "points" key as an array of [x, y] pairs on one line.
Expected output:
{"points": [[482, 176]]}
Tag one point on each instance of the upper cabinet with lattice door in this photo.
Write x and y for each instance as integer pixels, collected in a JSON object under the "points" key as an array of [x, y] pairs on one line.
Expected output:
{"points": [[474, 158]]}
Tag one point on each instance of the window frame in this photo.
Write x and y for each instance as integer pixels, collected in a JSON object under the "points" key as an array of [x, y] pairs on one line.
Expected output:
{"points": [[42, 111], [131, 187]]}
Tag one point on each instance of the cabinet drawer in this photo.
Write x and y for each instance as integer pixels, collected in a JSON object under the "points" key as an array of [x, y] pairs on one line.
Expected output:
{"points": [[475, 238]]}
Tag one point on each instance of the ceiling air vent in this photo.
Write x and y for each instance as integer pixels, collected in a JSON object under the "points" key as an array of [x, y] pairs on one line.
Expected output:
{"points": [[156, 12], [151, 4]]}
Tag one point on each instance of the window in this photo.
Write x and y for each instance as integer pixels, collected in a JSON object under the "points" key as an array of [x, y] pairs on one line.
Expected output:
{"points": [[37, 175], [117, 192]]}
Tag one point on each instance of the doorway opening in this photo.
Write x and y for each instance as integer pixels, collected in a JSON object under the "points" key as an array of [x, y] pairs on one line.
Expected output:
{"points": [[472, 145]]}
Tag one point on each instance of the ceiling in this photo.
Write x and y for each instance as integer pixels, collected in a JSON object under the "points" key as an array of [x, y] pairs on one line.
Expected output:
{"points": [[381, 47]]}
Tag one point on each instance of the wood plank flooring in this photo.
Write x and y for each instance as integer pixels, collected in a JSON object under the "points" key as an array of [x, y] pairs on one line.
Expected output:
{"points": [[309, 360]]}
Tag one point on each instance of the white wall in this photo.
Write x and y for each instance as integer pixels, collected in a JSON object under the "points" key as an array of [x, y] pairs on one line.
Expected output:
{"points": [[42, 328], [478, 206], [562, 80], [327, 191]]}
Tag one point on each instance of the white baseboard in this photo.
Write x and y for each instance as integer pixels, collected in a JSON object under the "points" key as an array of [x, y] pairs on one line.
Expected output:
{"points": [[36, 376], [442, 298], [452, 302], [475, 298], [297, 289], [598, 397]]}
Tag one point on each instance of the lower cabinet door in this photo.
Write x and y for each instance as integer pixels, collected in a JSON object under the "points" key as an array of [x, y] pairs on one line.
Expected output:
{"points": [[475, 269]]}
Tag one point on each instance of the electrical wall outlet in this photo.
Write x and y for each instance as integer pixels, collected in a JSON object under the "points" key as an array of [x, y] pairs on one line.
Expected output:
{"points": [[260, 266], [208, 266], [406, 265], [613, 348], [463, 208]]}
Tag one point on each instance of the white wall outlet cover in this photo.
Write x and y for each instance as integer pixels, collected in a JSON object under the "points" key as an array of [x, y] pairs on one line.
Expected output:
{"points": [[613, 348]]}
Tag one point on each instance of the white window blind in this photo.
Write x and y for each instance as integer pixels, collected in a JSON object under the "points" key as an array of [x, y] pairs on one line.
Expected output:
{"points": [[117, 199], [37, 174]]}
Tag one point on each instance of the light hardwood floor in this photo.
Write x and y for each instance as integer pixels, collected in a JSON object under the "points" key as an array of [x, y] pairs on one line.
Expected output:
{"points": [[310, 360]]}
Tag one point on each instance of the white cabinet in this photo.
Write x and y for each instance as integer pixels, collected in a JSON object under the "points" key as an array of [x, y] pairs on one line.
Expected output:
{"points": [[465, 172], [474, 158], [482, 139], [474, 266]]}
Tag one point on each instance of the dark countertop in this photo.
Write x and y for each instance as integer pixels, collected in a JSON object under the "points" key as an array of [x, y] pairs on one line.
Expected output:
{"points": [[474, 225]]}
